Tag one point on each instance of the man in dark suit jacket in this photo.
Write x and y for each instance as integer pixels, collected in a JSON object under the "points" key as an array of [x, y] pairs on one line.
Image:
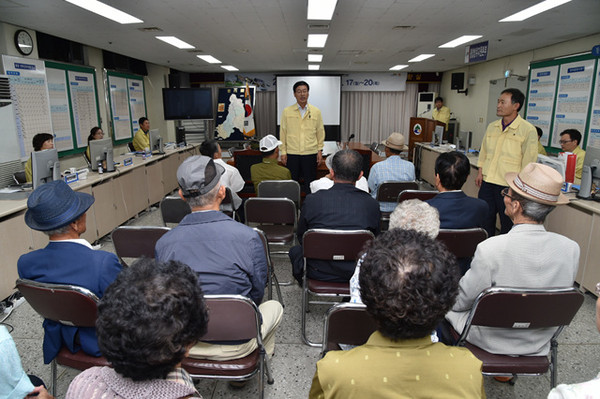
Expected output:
{"points": [[457, 210], [342, 207], [59, 212]]}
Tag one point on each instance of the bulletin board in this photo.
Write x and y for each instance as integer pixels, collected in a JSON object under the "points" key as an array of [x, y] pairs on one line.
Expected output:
{"points": [[74, 107], [127, 103], [564, 94]]}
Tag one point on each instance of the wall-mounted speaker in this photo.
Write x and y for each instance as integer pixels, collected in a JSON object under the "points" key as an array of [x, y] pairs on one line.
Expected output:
{"points": [[458, 81]]}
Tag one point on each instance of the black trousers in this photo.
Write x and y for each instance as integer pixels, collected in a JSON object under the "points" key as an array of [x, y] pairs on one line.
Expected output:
{"points": [[303, 169], [491, 193]]}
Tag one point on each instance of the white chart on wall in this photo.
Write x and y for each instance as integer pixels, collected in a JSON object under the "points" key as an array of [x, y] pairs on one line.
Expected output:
{"points": [[594, 127], [119, 107], [136, 101], [59, 109], [83, 104], [540, 99], [572, 100], [29, 94]]}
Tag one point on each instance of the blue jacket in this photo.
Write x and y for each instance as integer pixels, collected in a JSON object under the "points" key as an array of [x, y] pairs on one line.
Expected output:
{"points": [[459, 211], [70, 263], [228, 256]]}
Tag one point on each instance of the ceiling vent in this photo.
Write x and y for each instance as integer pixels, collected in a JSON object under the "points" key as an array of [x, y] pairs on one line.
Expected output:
{"points": [[403, 27], [151, 29], [318, 26]]}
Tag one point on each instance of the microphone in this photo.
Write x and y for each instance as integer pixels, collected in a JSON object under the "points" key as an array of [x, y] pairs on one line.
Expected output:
{"points": [[351, 137]]}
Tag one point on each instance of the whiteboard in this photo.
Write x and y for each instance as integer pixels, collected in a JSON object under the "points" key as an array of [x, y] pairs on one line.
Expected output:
{"points": [[325, 94]]}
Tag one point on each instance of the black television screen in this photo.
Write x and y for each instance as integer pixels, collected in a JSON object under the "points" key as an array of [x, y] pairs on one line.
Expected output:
{"points": [[195, 103]]}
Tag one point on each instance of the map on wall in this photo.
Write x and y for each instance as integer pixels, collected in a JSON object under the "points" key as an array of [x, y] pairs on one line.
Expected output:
{"points": [[231, 112]]}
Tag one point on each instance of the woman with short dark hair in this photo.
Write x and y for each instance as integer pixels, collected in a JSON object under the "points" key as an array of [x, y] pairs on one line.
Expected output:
{"points": [[148, 319]]}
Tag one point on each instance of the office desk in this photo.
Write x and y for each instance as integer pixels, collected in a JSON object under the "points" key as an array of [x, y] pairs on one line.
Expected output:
{"points": [[120, 195], [579, 220]]}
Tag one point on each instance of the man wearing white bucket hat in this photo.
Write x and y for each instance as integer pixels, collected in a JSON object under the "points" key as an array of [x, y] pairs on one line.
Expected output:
{"points": [[527, 256]]}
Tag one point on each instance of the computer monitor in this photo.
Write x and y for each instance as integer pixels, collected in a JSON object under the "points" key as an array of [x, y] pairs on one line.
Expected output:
{"points": [[102, 151], [592, 159], [438, 134], [555, 163], [156, 141], [44, 167], [463, 141]]}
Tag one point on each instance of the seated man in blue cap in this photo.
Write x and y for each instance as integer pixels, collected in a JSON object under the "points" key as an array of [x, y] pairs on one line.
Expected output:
{"points": [[59, 212]]}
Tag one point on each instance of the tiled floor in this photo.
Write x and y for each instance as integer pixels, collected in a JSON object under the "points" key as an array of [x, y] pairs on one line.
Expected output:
{"points": [[294, 363]]}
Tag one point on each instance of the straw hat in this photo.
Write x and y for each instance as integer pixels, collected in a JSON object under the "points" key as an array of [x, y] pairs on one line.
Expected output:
{"points": [[539, 183], [395, 141]]}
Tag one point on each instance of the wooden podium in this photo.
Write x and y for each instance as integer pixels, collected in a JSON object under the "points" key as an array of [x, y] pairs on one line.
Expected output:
{"points": [[421, 130]]}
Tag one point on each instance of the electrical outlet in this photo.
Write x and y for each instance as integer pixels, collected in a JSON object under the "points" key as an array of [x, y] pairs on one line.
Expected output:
{"points": [[480, 119]]}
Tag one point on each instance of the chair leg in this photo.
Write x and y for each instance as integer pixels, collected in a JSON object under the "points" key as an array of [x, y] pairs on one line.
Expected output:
{"points": [[304, 310], [276, 282], [553, 363], [261, 373], [270, 284], [270, 379], [53, 376]]}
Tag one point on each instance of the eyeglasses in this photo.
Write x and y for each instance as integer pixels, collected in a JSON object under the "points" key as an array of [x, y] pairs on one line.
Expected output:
{"points": [[504, 193], [564, 141], [301, 91]]}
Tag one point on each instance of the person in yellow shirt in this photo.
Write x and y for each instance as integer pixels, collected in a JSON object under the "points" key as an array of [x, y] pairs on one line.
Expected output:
{"points": [[302, 134], [509, 144], [141, 140], [41, 141], [95, 134], [569, 142], [541, 149], [441, 112]]}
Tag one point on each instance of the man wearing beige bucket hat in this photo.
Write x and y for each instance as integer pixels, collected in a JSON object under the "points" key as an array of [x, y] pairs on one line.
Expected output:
{"points": [[527, 256], [393, 168]]}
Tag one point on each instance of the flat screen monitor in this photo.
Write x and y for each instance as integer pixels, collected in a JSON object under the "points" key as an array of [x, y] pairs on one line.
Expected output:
{"points": [[101, 151], [463, 141], [555, 163], [592, 159], [194, 103], [44, 167], [156, 141]]}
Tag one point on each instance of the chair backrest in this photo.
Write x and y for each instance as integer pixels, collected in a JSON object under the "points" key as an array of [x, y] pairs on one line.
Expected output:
{"points": [[280, 189], [326, 244], [265, 243], [173, 209], [523, 308], [130, 146], [462, 242], [20, 177], [136, 241], [366, 160], [243, 160], [231, 318], [388, 191], [347, 323], [67, 304], [270, 210], [422, 195]]}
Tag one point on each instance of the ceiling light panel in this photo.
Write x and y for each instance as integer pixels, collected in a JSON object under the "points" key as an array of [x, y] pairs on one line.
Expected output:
{"points": [[315, 57], [421, 57], [209, 58], [229, 68], [398, 67], [316, 40], [314, 67], [106, 11], [534, 10], [461, 40], [173, 41], [320, 9]]}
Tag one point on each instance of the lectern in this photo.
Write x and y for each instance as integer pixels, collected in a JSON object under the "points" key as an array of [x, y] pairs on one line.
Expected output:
{"points": [[421, 130]]}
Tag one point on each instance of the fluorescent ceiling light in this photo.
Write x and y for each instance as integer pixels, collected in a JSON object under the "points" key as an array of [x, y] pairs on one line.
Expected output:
{"points": [[461, 40], [229, 67], [421, 57], [173, 41], [534, 10], [398, 67], [106, 11], [315, 57], [209, 58], [313, 67], [320, 9], [316, 40]]}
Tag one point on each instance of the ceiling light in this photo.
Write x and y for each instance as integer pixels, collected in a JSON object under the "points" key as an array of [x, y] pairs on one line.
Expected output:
{"points": [[421, 57], [461, 40], [313, 67], [106, 11], [534, 10], [398, 67], [315, 57], [320, 9], [173, 41], [209, 58], [229, 67], [316, 40]]}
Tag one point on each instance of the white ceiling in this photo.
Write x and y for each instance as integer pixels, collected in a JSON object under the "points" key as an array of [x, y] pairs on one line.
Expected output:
{"points": [[270, 35]]}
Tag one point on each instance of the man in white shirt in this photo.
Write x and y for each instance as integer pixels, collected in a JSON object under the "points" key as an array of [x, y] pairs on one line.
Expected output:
{"points": [[231, 177], [326, 182]]}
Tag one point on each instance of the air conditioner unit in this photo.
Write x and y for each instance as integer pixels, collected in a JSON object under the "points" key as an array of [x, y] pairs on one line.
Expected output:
{"points": [[425, 104]]}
